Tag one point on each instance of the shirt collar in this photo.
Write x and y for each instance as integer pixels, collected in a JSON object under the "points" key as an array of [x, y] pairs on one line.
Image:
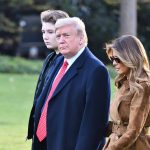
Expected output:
{"points": [[72, 59]]}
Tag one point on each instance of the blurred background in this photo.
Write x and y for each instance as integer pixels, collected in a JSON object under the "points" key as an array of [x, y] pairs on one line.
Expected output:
{"points": [[20, 27], [22, 50]]}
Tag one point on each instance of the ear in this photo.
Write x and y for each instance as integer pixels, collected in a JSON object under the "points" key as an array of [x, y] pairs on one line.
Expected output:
{"points": [[81, 39]]}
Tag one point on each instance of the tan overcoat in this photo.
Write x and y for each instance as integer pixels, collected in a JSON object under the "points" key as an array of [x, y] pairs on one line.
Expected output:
{"points": [[131, 119]]}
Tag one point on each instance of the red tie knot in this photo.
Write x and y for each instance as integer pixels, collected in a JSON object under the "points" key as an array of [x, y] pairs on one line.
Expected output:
{"points": [[65, 63]]}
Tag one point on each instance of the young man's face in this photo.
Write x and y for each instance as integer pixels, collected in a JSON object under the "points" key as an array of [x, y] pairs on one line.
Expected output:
{"points": [[49, 37]]}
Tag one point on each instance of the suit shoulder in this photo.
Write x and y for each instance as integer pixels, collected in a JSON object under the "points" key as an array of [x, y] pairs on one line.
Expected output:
{"points": [[49, 56], [97, 62], [94, 60]]}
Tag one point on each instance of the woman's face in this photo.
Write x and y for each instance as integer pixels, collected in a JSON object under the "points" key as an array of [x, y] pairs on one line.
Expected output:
{"points": [[120, 68]]}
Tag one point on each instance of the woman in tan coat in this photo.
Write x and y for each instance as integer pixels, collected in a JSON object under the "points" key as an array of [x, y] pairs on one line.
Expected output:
{"points": [[130, 109]]}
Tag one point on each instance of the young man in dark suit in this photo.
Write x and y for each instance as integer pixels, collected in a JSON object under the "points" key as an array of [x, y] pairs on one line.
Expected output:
{"points": [[77, 111], [50, 67]]}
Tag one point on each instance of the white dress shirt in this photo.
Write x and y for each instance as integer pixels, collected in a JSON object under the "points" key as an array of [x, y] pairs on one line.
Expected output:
{"points": [[72, 59]]}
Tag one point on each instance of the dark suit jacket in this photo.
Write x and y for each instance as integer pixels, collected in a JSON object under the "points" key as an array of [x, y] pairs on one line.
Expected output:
{"points": [[78, 111], [43, 85]]}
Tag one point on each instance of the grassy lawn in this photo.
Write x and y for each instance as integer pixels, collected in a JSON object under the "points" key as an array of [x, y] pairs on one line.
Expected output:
{"points": [[16, 97]]}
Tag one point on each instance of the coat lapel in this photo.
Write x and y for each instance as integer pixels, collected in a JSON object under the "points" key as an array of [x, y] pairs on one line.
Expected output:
{"points": [[72, 71], [67, 77], [41, 99]]}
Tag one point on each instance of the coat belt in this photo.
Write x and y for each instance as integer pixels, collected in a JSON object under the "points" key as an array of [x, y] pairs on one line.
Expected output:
{"points": [[120, 127]]}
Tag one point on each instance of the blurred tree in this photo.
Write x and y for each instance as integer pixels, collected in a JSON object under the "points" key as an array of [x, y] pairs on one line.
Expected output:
{"points": [[11, 11], [101, 19], [101, 23], [144, 25], [133, 19], [128, 17]]}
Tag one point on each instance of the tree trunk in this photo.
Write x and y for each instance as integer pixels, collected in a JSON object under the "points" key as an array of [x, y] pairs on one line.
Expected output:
{"points": [[128, 17]]}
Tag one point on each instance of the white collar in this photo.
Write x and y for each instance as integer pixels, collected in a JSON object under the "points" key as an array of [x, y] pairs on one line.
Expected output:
{"points": [[72, 59]]}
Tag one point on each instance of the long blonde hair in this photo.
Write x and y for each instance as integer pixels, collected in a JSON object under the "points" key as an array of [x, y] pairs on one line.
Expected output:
{"points": [[131, 52]]}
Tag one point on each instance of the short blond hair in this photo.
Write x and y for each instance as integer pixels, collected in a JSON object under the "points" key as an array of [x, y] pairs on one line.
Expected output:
{"points": [[76, 22]]}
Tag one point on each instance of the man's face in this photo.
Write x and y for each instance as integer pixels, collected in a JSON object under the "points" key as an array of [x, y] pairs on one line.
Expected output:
{"points": [[49, 36], [69, 41]]}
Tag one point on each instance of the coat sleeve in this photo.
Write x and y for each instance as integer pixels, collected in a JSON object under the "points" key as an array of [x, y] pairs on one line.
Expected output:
{"points": [[44, 67], [95, 117], [139, 110], [36, 94]]}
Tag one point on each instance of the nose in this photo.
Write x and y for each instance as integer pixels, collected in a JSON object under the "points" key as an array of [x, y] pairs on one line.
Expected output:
{"points": [[61, 40], [114, 63], [45, 36]]}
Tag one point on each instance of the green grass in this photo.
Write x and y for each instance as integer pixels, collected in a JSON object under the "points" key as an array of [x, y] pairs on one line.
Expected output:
{"points": [[16, 97]]}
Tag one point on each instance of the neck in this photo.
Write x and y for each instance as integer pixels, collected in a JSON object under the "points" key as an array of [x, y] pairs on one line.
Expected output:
{"points": [[57, 51]]}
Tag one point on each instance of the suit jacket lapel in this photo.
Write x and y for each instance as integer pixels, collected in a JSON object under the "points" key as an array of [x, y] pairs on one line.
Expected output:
{"points": [[43, 95], [72, 71], [66, 78]]}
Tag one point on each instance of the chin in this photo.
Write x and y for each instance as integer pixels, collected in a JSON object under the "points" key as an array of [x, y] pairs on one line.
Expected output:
{"points": [[63, 52], [50, 47], [120, 73]]}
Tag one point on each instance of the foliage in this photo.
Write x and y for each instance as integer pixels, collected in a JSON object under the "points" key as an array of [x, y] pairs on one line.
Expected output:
{"points": [[101, 19], [111, 71], [11, 12], [144, 26], [101, 23], [19, 65]]}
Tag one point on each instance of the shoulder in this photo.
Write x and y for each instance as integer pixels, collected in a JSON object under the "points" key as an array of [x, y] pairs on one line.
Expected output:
{"points": [[46, 61], [145, 87], [143, 91], [96, 68], [49, 56], [93, 60], [144, 82]]}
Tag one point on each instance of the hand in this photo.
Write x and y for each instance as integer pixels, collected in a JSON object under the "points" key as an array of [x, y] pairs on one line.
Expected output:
{"points": [[114, 137], [110, 143]]}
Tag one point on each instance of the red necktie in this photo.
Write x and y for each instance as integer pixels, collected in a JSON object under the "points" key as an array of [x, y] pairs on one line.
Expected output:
{"points": [[41, 129]]}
